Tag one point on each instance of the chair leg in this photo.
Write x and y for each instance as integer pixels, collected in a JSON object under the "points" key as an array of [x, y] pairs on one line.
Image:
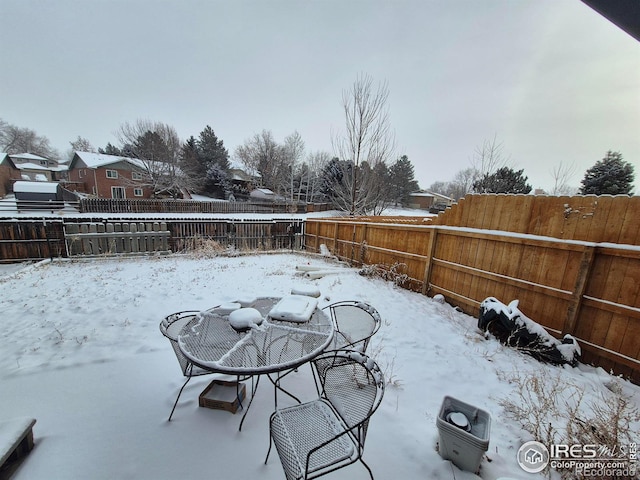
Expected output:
{"points": [[277, 386], [268, 451], [270, 444], [367, 467], [253, 392], [178, 398]]}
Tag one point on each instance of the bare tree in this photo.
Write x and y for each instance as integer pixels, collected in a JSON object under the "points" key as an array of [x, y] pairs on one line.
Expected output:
{"points": [[157, 148], [462, 183], [488, 158], [24, 140], [80, 144], [316, 162], [293, 151], [562, 174], [367, 139], [263, 156]]}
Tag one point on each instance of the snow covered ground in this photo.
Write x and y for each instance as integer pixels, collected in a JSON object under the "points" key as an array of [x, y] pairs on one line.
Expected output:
{"points": [[83, 355]]}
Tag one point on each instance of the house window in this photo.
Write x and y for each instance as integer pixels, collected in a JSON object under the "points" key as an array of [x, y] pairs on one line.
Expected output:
{"points": [[118, 192], [136, 175], [112, 174], [137, 192], [80, 172]]}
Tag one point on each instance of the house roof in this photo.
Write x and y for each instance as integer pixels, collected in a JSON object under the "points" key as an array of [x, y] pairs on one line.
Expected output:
{"points": [[431, 194], [31, 166], [421, 194], [264, 191], [96, 160], [27, 156], [239, 175]]}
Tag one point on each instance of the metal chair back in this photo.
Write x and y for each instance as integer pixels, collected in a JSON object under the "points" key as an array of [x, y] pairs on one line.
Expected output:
{"points": [[355, 323], [170, 327]]}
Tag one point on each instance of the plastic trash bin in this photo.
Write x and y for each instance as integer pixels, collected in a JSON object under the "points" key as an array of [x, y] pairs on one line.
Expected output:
{"points": [[464, 433]]}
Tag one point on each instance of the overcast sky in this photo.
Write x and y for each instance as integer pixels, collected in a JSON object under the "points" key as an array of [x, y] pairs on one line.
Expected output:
{"points": [[552, 80]]}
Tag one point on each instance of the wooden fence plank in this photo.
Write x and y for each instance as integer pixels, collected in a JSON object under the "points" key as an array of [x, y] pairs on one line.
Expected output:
{"points": [[602, 211], [630, 224]]}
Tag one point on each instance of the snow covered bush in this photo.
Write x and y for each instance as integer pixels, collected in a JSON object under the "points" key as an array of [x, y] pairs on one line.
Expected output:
{"points": [[391, 273], [513, 328]]}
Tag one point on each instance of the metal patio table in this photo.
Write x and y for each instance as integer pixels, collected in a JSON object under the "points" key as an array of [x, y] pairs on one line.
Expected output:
{"points": [[274, 348]]}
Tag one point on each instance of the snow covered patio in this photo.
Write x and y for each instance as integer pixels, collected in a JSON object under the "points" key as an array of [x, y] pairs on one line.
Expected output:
{"points": [[83, 355]]}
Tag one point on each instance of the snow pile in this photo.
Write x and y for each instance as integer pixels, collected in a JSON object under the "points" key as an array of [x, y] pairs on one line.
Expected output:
{"points": [[294, 308], [245, 318], [512, 327]]}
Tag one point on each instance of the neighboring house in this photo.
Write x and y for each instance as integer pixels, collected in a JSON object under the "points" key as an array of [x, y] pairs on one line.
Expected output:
{"points": [[6, 170], [425, 200], [34, 173], [241, 183], [19, 158], [28, 167], [107, 176]]}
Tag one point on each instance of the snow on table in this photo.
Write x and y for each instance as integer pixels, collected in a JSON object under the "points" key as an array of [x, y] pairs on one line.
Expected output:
{"points": [[294, 308]]}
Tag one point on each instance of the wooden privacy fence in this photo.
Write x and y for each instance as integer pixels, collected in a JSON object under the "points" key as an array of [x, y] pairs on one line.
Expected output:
{"points": [[31, 240], [589, 289], [116, 238], [112, 205], [604, 218], [22, 240], [238, 234]]}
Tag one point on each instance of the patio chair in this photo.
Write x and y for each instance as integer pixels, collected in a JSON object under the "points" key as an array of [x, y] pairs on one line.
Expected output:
{"points": [[318, 437], [355, 323], [170, 327]]}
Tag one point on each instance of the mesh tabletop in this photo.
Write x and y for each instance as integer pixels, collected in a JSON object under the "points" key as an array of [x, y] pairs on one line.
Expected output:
{"points": [[210, 342]]}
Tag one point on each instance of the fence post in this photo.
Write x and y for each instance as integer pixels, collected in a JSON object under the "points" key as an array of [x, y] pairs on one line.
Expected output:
{"points": [[584, 271], [427, 268]]}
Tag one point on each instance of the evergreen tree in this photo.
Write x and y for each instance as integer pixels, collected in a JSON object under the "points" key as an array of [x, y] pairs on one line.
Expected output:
{"points": [[212, 149], [609, 176], [191, 166], [110, 150], [214, 160], [401, 181], [332, 175], [504, 180]]}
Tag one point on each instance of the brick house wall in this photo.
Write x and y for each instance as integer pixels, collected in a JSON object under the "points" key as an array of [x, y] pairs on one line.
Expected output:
{"points": [[116, 180], [5, 179]]}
